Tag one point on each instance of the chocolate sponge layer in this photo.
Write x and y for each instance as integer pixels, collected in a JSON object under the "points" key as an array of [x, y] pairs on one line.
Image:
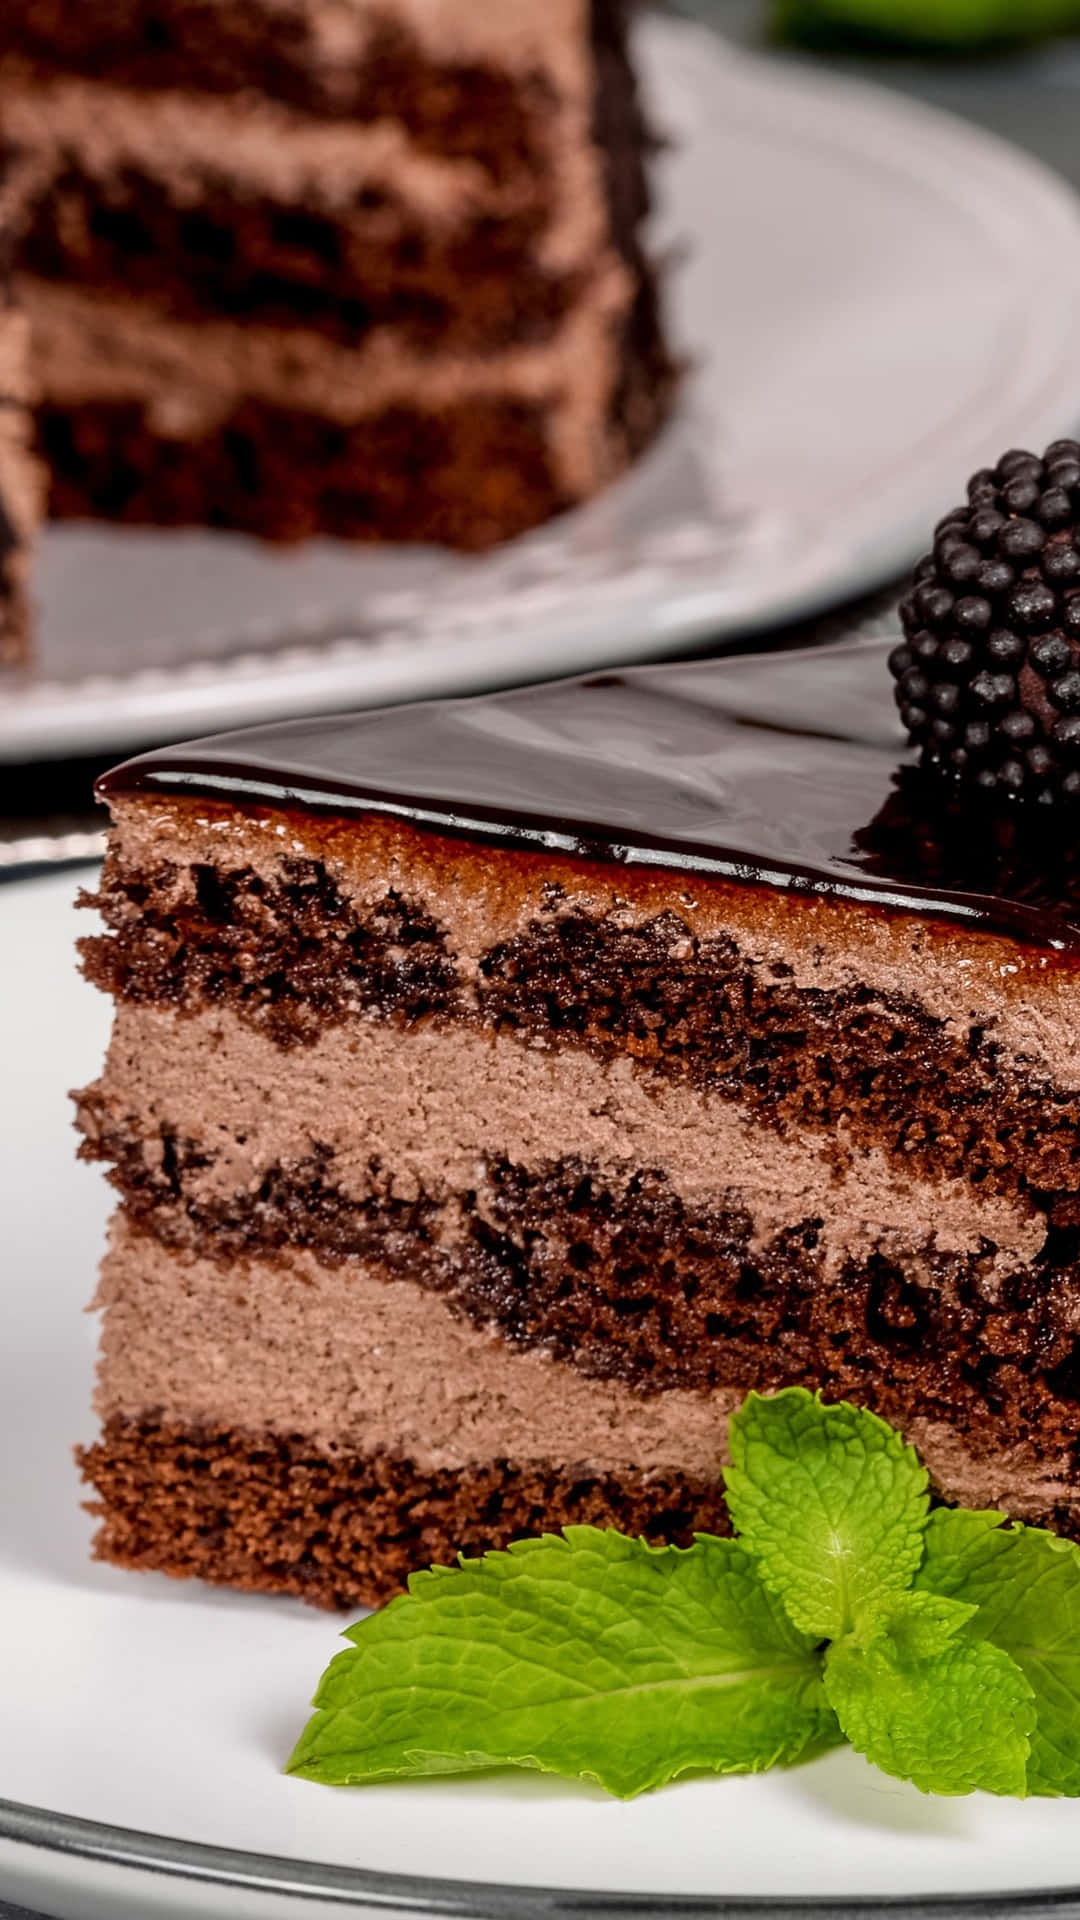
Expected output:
{"points": [[20, 480], [449, 106], [290, 951], [613, 1273], [346, 1529], [343, 273], [465, 476], [429, 192], [515, 1170]]}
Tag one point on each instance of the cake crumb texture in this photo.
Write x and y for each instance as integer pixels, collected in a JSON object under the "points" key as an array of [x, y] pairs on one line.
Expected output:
{"points": [[271, 1513], [20, 484], [370, 271], [492, 1176]]}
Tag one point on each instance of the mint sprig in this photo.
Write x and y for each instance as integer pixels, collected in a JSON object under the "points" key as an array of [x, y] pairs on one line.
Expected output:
{"points": [[585, 1654], [830, 1502], [1024, 1585], [925, 1702], [945, 1647]]}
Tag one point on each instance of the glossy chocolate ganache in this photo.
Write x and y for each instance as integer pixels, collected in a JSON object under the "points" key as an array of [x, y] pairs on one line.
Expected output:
{"points": [[787, 770]]}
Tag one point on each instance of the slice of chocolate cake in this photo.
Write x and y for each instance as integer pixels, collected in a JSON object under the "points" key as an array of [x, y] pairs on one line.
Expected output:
{"points": [[500, 1088], [369, 268], [20, 489]]}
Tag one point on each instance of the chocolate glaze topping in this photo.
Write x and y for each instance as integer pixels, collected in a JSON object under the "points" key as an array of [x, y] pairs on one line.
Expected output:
{"points": [[781, 769]]}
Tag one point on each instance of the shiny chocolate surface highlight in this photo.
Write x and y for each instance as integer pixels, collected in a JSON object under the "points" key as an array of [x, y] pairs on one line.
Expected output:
{"points": [[787, 770]]}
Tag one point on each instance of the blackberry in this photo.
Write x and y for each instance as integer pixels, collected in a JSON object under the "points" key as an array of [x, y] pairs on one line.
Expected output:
{"points": [[988, 673]]}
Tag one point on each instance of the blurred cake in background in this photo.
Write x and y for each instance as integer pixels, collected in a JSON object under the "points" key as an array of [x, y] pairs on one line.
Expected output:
{"points": [[20, 490], [368, 268]]}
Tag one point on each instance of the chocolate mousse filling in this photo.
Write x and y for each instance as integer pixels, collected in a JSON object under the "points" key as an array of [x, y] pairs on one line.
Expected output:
{"points": [[342, 273], [448, 105], [20, 488], [259, 213], [359, 1379], [473, 1156], [626, 1282], [294, 956], [463, 194]]}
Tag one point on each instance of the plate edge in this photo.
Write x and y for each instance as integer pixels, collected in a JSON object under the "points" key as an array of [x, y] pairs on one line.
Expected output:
{"points": [[269, 1874]]}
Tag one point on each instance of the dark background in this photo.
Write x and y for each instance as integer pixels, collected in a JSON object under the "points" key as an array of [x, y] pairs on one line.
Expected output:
{"points": [[1031, 96]]}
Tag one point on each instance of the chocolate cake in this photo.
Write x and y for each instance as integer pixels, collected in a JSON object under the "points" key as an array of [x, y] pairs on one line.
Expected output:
{"points": [[19, 474], [369, 268], [500, 1088]]}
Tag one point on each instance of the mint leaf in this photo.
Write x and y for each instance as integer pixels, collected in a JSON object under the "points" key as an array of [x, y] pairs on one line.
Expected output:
{"points": [[926, 1702], [831, 1504], [586, 1654], [1025, 1586]]}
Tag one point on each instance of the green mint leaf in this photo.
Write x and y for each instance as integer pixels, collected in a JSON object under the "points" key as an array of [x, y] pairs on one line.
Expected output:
{"points": [[585, 1654], [830, 1502], [1025, 1586], [931, 25], [924, 1700]]}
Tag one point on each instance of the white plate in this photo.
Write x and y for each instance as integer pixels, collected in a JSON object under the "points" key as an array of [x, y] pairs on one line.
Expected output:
{"points": [[877, 299], [166, 1711]]}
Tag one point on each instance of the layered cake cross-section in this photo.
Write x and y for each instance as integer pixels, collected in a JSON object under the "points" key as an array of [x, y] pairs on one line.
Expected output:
{"points": [[500, 1088], [20, 476], [367, 268]]}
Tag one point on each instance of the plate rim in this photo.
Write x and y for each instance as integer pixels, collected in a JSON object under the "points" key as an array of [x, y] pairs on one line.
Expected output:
{"points": [[277, 1875]]}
